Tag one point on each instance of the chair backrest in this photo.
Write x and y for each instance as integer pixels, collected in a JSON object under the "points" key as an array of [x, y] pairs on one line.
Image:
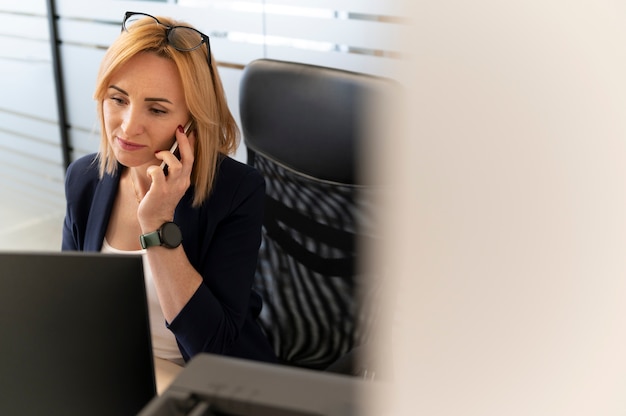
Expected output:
{"points": [[303, 129]]}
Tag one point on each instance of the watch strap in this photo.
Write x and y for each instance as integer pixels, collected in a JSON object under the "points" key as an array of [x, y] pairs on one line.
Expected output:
{"points": [[150, 240]]}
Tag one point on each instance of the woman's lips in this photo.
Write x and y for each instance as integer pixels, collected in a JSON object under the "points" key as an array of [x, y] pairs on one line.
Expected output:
{"points": [[126, 145]]}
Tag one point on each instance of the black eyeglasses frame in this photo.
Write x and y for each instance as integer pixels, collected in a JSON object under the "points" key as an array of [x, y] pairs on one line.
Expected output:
{"points": [[168, 31]]}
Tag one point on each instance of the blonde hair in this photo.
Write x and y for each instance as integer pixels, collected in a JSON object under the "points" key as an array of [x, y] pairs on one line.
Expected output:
{"points": [[215, 128]]}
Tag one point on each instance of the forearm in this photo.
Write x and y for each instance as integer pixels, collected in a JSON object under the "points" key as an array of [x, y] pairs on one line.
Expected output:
{"points": [[174, 277]]}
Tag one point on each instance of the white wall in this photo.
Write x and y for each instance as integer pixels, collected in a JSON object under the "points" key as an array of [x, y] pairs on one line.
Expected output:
{"points": [[507, 235]]}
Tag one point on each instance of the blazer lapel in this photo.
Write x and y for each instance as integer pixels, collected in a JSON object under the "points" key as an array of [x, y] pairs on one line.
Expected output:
{"points": [[100, 211]]}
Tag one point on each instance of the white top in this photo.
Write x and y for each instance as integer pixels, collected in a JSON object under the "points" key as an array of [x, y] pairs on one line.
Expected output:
{"points": [[163, 340]]}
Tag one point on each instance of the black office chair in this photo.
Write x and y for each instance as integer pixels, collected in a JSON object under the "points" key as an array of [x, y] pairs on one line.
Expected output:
{"points": [[303, 129]]}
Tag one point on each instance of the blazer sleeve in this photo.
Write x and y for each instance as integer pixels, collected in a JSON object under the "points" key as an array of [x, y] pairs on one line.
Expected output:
{"points": [[218, 315]]}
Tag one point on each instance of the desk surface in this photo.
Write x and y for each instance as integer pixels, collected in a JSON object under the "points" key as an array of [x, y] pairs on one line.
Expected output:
{"points": [[165, 372]]}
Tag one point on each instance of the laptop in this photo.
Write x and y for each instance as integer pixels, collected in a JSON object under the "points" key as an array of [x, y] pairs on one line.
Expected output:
{"points": [[74, 334]]}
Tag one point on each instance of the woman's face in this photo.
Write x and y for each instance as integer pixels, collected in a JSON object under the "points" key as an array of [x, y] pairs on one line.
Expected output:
{"points": [[143, 107]]}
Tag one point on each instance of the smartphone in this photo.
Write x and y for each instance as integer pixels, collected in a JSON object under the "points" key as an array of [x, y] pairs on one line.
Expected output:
{"points": [[174, 149]]}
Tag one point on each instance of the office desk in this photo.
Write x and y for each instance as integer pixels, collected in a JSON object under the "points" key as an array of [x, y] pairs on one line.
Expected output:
{"points": [[165, 372]]}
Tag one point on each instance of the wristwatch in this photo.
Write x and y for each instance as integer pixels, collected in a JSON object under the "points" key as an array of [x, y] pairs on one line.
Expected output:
{"points": [[168, 235]]}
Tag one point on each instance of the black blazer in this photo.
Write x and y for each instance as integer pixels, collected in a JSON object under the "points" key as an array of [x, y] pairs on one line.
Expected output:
{"points": [[221, 239]]}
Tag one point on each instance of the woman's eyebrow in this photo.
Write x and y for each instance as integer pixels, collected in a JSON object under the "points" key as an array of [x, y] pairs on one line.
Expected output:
{"points": [[115, 87]]}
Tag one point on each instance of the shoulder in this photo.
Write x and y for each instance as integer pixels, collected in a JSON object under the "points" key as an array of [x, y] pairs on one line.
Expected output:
{"points": [[233, 175], [235, 169], [85, 167], [235, 183], [82, 177]]}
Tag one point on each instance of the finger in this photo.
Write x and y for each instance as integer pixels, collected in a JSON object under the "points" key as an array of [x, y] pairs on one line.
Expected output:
{"points": [[170, 159], [156, 175]]}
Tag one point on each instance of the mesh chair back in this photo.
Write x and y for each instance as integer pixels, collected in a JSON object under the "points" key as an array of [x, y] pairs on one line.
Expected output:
{"points": [[301, 125]]}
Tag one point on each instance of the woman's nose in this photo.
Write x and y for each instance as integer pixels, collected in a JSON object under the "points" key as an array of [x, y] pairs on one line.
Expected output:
{"points": [[132, 123]]}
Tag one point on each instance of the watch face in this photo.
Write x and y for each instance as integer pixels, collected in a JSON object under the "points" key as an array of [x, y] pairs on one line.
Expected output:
{"points": [[170, 235]]}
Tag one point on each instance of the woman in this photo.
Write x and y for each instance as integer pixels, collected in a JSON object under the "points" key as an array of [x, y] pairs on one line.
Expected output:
{"points": [[196, 222]]}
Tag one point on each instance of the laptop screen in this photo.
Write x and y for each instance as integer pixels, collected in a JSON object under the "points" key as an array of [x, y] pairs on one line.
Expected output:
{"points": [[74, 334]]}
